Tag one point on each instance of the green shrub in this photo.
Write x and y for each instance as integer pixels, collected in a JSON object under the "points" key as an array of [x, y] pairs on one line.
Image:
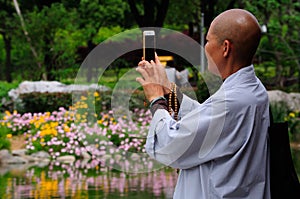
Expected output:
{"points": [[4, 142], [281, 113], [4, 89], [49, 102], [43, 102]]}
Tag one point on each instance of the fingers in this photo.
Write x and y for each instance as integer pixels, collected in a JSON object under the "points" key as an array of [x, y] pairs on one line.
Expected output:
{"points": [[142, 63], [157, 61], [143, 72], [140, 80]]}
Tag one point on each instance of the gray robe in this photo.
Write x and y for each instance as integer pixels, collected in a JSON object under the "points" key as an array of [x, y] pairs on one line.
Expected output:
{"points": [[220, 146]]}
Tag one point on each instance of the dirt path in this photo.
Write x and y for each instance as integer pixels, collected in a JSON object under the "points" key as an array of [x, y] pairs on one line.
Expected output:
{"points": [[17, 142]]}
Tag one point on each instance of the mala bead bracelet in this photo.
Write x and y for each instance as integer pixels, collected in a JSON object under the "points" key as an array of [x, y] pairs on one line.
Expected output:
{"points": [[173, 98]]}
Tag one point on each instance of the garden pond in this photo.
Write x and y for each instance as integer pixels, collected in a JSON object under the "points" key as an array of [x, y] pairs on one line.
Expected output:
{"points": [[85, 180], [81, 180]]}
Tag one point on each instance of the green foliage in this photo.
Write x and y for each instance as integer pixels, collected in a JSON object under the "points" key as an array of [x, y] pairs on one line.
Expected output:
{"points": [[207, 85], [106, 32], [43, 102], [58, 29], [279, 47], [48, 102], [293, 119], [4, 89], [281, 113], [4, 142]]}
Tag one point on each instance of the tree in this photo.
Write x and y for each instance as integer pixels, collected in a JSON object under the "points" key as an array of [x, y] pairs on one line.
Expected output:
{"points": [[280, 45], [43, 26], [92, 15], [7, 22], [153, 13]]}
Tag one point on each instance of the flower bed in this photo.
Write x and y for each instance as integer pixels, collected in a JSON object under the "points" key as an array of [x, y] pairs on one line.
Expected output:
{"points": [[78, 131]]}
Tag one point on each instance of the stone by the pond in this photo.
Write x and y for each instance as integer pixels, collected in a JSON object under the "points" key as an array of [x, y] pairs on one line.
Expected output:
{"points": [[4, 154], [19, 152], [66, 159], [7, 158], [14, 160], [86, 156], [41, 155], [291, 100], [52, 87]]}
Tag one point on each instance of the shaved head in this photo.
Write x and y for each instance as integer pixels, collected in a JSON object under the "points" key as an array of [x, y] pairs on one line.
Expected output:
{"points": [[242, 29]]}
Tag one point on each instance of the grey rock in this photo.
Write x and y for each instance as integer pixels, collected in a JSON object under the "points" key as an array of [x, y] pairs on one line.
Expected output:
{"points": [[291, 100], [4, 154], [19, 152], [66, 159], [41, 155], [52, 87], [86, 156], [14, 160]]}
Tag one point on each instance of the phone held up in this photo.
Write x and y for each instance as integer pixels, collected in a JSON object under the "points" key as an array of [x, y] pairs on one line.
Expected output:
{"points": [[149, 45]]}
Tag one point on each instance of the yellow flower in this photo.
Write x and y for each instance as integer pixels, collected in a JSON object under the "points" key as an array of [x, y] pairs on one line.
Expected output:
{"points": [[83, 98], [9, 135], [100, 121], [84, 106], [7, 113], [66, 128], [96, 94], [53, 124], [292, 115], [78, 116]]}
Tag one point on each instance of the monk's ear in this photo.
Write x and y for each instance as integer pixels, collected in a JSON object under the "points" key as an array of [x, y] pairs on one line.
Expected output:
{"points": [[226, 48]]}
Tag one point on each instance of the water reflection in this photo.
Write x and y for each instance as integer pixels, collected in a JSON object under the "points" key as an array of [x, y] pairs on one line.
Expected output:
{"points": [[82, 180], [66, 181]]}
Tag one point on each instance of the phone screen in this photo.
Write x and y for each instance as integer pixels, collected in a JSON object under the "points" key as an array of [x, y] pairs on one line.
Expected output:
{"points": [[149, 45]]}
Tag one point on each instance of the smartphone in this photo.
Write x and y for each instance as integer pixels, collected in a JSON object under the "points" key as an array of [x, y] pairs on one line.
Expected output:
{"points": [[149, 45]]}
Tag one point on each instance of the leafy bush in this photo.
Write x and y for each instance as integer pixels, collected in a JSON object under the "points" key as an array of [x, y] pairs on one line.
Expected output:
{"points": [[43, 102], [281, 113], [4, 89], [4, 142]]}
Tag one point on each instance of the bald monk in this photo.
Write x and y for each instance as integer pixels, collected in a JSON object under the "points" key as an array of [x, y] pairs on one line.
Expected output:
{"points": [[221, 145]]}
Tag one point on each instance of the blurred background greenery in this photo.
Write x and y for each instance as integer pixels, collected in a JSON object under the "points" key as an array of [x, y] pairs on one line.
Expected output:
{"points": [[48, 40]]}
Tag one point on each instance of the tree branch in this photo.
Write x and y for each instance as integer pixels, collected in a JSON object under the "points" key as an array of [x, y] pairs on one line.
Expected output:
{"points": [[26, 33]]}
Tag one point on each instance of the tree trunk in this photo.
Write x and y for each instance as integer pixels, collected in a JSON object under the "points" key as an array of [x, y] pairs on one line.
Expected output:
{"points": [[149, 19], [8, 69], [48, 62]]}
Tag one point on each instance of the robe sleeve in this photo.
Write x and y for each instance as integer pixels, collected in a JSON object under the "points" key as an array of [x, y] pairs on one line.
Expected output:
{"points": [[196, 138]]}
